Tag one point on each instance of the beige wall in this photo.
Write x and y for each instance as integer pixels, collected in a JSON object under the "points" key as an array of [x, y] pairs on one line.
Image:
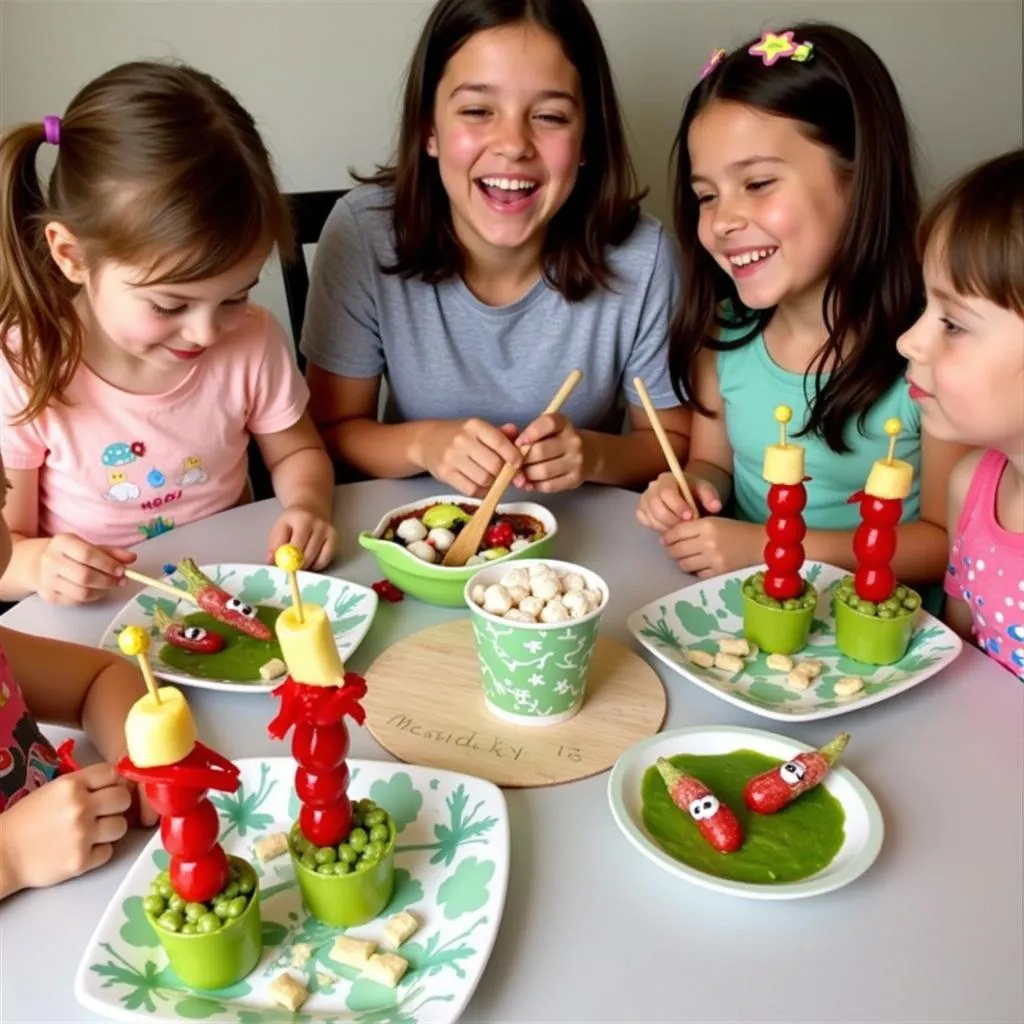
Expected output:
{"points": [[323, 78]]}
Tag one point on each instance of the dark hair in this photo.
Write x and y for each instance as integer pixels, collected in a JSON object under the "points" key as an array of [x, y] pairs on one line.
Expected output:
{"points": [[845, 99], [604, 205], [978, 225], [155, 162]]}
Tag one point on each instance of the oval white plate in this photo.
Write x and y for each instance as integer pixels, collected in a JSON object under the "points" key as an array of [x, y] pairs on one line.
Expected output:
{"points": [[349, 606], [863, 825]]}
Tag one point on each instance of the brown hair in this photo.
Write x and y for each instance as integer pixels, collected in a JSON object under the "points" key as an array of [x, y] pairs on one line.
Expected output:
{"points": [[605, 203], [844, 99], [156, 161], [978, 226]]}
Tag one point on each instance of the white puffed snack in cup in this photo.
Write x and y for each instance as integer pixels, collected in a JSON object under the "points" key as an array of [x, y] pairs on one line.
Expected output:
{"points": [[573, 581], [477, 594], [515, 578], [518, 615], [575, 604], [545, 587], [593, 598], [517, 594], [532, 605], [410, 530], [496, 599], [541, 569], [554, 611]]}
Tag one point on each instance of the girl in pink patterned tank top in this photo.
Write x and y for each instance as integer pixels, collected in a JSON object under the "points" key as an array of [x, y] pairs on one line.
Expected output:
{"points": [[966, 358]]}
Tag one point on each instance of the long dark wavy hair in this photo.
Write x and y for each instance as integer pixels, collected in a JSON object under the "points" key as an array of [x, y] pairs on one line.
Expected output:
{"points": [[846, 100], [603, 207]]}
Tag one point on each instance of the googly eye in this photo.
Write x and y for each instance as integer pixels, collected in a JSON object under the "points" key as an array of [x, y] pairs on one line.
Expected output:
{"points": [[196, 633], [704, 807], [792, 772], [235, 605]]}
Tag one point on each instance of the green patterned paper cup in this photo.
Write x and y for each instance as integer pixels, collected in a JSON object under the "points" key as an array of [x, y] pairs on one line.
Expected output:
{"points": [[534, 673]]}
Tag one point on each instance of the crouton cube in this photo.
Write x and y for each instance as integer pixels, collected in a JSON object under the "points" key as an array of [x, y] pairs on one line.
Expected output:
{"points": [[272, 669], [287, 992], [271, 846], [779, 663], [703, 659], [810, 668], [400, 928], [734, 645], [301, 952], [848, 686], [386, 969], [729, 662], [352, 952], [797, 680]]}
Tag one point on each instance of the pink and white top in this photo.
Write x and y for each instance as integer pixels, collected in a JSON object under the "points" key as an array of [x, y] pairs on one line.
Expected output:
{"points": [[986, 569]]}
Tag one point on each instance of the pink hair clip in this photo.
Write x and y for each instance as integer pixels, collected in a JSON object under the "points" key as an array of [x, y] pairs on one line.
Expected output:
{"points": [[713, 61], [773, 46]]}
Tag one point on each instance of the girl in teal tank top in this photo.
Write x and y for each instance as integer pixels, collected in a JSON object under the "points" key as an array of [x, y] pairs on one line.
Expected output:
{"points": [[795, 208]]}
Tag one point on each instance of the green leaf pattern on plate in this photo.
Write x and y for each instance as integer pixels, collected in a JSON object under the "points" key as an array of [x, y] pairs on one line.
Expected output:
{"points": [[699, 616], [351, 608], [441, 818]]}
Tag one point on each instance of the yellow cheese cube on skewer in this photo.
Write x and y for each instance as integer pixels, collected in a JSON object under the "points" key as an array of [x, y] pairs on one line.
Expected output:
{"points": [[308, 647], [783, 462], [890, 479], [159, 733]]}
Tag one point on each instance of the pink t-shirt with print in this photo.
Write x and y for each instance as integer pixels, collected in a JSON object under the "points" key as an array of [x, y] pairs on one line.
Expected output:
{"points": [[27, 760], [986, 569], [117, 468]]}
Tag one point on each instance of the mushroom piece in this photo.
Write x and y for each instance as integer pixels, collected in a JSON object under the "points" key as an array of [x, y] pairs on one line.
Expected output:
{"points": [[422, 550], [411, 530], [440, 538]]}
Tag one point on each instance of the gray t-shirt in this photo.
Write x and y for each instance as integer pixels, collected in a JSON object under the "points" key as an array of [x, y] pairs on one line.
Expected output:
{"points": [[447, 355]]}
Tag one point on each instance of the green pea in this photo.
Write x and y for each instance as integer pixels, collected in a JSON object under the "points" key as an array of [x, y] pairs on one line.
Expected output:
{"points": [[377, 817], [176, 903], [194, 911], [791, 604], [380, 834], [220, 908], [231, 891], [358, 839], [208, 923], [867, 608], [901, 593], [325, 855], [758, 577], [246, 884], [165, 889], [308, 860], [369, 859], [236, 908], [170, 920], [154, 904], [163, 877], [886, 613], [341, 867], [189, 928], [768, 602], [912, 602], [376, 847]]}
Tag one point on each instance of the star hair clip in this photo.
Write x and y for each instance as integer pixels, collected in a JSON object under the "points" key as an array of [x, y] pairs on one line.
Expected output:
{"points": [[773, 46], [713, 61]]}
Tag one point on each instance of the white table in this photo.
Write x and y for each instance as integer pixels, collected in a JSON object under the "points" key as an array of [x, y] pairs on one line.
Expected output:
{"points": [[594, 932]]}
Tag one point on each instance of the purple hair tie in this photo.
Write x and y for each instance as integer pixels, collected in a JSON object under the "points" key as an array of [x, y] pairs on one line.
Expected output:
{"points": [[51, 129]]}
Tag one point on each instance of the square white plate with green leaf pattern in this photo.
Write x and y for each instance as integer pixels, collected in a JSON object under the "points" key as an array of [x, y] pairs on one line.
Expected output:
{"points": [[451, 872], [700, 615], [349, 606]]}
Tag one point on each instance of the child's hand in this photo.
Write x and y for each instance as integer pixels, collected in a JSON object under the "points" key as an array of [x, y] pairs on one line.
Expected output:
{"points": [[662, 505], [467, 454], [64, 828], [72, 571], [713, 545], [555, 461], [314, 536]]}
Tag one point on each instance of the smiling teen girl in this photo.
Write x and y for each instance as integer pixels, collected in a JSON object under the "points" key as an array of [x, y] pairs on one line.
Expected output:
{"points": [[503, 248]]}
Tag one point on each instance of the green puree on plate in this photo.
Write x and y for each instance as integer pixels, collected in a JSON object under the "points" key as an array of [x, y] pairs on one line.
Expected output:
{"points": [[240, 658], [791, 844]]}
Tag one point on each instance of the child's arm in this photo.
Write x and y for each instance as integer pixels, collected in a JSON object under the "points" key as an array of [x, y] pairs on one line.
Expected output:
{"points": [[67, 826], [303, 479], [957, 613], [64, 569]]}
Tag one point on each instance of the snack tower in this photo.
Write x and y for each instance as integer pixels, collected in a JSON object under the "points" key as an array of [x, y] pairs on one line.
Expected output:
{"points": [[315, 698], [175, 772], [874, 613], [778, 604]]}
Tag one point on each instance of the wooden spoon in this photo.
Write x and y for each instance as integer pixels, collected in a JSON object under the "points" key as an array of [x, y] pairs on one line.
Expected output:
{"points": [[468, 541], [666, 448]]}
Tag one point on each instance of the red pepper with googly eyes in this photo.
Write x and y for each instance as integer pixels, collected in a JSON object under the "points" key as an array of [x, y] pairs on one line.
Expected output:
{"points": [[774, 789], [220, 604], [188, 638], [717, 823]]}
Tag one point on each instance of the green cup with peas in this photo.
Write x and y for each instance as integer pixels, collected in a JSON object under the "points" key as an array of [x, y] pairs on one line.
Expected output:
{"points": [[209, 945], [351, 883], [777, 627], [872, 632]]}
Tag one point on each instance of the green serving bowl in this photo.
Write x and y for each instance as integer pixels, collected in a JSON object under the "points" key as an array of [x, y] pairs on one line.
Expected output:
{"points": [[220, 959], [870, 639], [345, 901], [776, 630], [445, 584]]}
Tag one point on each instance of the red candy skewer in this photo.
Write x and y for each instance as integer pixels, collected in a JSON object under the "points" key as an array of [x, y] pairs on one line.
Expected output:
{"points": [[784, 552]]}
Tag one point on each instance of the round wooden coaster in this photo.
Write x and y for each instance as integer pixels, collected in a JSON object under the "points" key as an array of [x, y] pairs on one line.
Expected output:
{"points": [[425, 705]]}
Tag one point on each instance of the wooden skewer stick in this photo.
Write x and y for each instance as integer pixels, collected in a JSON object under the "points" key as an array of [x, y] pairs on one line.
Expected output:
{"points": [[178, 592], [892, 428], [666, 447], [134, 642], [288, 558], [472, 533]]}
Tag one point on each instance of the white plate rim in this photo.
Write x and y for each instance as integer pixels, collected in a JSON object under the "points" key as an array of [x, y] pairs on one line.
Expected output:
{"points": [[226, 685], [117, 1012], [634, 623], [815, 885]]}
